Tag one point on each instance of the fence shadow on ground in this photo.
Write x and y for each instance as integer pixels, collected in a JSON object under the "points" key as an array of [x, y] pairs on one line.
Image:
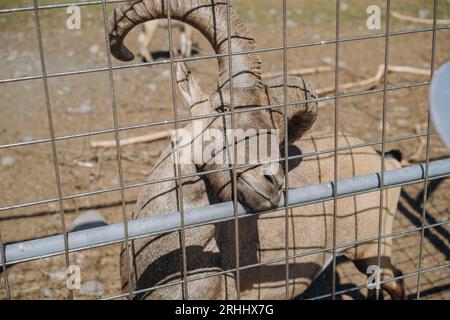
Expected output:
{"points": [[322, 285], [415, 216]]}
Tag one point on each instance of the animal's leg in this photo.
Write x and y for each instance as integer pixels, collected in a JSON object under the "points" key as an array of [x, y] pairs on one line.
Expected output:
{"points": [[145, 37], [186, 41], [189, 32], [366, 256]]}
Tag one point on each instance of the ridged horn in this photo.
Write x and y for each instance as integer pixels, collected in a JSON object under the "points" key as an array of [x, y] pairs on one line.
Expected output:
{"points": [[207, 16]]}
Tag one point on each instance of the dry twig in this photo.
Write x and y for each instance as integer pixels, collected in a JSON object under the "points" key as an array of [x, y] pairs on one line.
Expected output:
{"points": [[404, 17]]}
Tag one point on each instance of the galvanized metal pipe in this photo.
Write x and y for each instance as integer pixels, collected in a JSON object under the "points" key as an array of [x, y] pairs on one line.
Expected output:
{"points": [[54, 245]]}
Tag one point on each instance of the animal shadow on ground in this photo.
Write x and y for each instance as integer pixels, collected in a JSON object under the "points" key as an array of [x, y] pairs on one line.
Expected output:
{"points": [[322, 285], [415, 215]]}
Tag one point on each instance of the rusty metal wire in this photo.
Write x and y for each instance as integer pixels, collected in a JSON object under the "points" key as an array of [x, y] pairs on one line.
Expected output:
{"points": [[52, 135], [176, 121], [427, 154], [177, 166], [336, 146], [118, 149], [383, 135]]}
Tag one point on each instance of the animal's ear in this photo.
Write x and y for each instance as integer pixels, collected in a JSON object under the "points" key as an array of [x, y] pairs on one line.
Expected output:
{"points": [[188, 85], [300, 120], [300, 116]]}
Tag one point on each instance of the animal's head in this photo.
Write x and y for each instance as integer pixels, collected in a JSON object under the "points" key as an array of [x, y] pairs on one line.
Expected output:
{"points": [[258, 186]]}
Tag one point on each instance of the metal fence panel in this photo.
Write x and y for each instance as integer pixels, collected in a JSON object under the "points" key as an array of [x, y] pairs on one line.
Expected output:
{"points": [[182, 219]]}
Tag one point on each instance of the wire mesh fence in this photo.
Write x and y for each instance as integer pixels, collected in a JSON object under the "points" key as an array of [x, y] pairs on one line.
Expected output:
{"points": [[184, 219]]}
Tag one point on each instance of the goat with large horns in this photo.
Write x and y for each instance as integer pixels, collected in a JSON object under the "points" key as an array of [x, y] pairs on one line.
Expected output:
{"points": [[157, 261]]}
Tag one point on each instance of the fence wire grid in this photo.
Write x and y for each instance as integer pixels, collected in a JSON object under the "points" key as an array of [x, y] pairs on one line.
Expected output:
{"points": [[66, 242]]}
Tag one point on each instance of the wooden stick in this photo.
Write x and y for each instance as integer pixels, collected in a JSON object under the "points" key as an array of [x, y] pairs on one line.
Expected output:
{"points": [[418, 20], [295, 72], [372, 82], [363, 84], [406, 69], [138, 139]]}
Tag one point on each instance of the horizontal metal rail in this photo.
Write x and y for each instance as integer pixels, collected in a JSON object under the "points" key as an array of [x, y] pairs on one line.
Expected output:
{"points": [[79, 240]]}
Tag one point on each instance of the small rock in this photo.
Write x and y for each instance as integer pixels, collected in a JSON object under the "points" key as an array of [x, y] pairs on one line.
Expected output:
{"points": [[91, 288], [165, 75], [94, 49], [344, 6], [273, 11], [80, 258], [318, 17], [401, 108], [402, 122], [12, 56], [58, 275], [86, 164], [291, 23], [424, 13], [7, 161], [87, 220], [85, 107], [367, 136], [328, 60], [47, 292], [152, 87]]}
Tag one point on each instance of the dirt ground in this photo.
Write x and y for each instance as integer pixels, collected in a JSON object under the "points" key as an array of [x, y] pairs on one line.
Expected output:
{"points": [[82, 103]]}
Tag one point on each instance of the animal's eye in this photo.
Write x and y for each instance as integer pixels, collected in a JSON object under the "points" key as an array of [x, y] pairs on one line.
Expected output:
{"points": [[223, 109]]}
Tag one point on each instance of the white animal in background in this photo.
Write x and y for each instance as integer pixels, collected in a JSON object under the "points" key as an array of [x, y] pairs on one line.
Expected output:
{"points": [[148, 31]]}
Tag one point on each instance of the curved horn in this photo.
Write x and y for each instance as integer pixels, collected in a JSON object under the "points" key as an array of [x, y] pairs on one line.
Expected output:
{"points": [[207, 16], [302, 115]]}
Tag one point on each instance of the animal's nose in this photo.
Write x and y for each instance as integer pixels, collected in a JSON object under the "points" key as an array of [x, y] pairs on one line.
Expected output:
{"points": [[273, 180]]}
